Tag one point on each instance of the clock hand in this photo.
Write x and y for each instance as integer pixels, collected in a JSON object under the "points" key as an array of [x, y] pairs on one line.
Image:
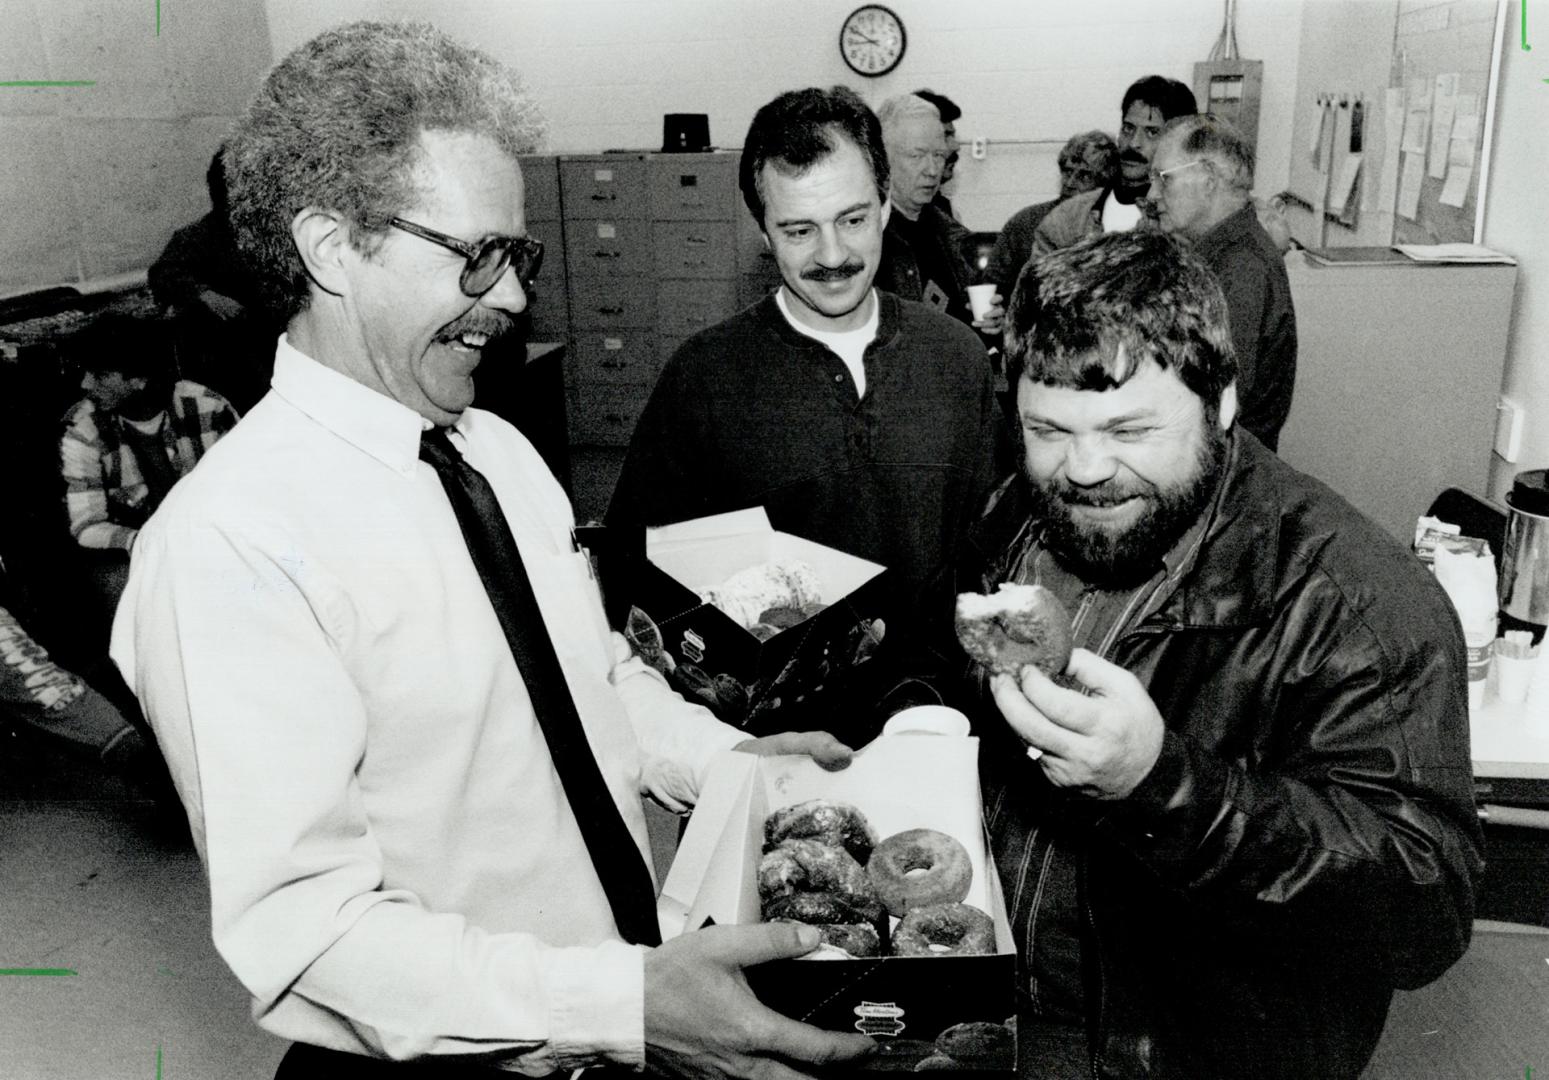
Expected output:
{"points": [[863, 37]]}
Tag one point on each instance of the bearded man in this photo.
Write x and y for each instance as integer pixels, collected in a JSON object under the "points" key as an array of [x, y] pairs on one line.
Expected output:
{"points": [[1251, 819]]}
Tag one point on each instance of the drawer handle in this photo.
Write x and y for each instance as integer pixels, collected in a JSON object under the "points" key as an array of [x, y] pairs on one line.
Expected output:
{"points": [[612, 365], [598, 196], [610, 311], [695, 262], [697, 239], [608, 254], [614, 418]]}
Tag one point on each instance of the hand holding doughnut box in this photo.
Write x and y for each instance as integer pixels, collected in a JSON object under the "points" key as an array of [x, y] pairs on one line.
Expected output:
{"points": [[888, 859]]}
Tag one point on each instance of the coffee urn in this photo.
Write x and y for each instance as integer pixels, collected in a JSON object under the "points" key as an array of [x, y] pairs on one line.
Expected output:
{"points": [[1524, 583]]}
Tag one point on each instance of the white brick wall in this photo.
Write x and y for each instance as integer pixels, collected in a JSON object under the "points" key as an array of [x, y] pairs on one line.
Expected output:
{"points": [[606, 70]]}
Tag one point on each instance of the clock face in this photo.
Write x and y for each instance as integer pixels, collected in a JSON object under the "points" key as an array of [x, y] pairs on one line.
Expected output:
{"points": [[872, 40]]}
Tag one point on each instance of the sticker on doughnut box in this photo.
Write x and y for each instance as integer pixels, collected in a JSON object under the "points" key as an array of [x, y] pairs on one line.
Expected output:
{"points": [[742, 669], [948, 1011]]}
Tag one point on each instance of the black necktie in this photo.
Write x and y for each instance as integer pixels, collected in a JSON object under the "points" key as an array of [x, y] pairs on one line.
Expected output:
{"points": [[623, 873]]}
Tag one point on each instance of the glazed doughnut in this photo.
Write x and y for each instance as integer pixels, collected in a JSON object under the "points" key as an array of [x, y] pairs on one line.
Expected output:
{"points": [[918, 867], [807, 866], [826, 821], [944, 930], [824, 909], [854, 939], [1016, 626]]}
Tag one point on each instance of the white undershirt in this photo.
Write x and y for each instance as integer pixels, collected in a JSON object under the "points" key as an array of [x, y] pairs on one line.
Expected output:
{"points": [[848, 345], [1119, 218]]}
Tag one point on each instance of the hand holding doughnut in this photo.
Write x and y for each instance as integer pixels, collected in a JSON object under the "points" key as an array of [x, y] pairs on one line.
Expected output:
{"points": [[1102, 743]]}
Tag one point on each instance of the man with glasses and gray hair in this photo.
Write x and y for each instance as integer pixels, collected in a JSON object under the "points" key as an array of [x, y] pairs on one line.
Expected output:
{"points": [[411, 752], [924, 252], [1201, 193]]}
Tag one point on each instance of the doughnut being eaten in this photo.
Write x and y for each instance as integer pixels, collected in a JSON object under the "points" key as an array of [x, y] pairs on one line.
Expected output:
{"points": [[799, 866], [944, 930], [919, 867], [1015, 626], [824, 820]]}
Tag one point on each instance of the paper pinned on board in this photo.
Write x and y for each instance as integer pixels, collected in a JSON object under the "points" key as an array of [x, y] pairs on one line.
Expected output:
{"points": [[1442, 112], [1460, 151], [1409, 185], [1344, 183], [1417, 115], [1392, 140], [1315, 146]]}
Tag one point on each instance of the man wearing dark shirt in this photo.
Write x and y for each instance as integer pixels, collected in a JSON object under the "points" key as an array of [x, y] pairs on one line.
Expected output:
{"points": [[1200, 182], [925, 252]]}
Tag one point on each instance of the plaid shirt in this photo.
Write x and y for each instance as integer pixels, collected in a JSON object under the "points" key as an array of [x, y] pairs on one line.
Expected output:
{"points": [[105, 491]]}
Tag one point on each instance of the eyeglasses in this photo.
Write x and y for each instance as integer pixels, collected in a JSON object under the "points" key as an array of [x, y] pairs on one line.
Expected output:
{"points": [[488, 259], [1161, 177]]}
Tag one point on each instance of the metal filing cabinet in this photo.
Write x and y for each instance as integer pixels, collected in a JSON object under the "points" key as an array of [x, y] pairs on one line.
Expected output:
{"points": [[658, 247], [549, 306]]}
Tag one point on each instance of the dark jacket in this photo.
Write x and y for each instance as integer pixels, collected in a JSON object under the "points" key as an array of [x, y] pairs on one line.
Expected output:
{"points": [[1306, 842], [899, 272], [1252, 274]]}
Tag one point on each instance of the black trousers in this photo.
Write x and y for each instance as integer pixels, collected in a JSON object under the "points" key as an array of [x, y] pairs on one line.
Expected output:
{"points": [[305, 1062]]}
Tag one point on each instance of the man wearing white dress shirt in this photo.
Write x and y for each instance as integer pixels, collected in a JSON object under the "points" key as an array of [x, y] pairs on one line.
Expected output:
{"points": [[396, 872]]}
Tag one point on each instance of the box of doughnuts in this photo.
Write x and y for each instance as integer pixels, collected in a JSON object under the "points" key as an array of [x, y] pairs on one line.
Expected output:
{"points": [[889, 860], [740, 616]]}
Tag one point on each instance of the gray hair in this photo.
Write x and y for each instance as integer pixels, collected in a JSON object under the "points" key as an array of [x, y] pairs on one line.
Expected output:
{"points": [[336, 125], [1096, 145], [1214, 140], [900, 107]]}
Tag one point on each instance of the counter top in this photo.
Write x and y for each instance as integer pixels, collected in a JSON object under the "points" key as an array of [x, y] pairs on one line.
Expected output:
{"points": [[1510, 740]]}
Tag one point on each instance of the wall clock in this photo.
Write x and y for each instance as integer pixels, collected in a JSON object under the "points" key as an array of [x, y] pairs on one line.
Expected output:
{"points": [[872, 40]]}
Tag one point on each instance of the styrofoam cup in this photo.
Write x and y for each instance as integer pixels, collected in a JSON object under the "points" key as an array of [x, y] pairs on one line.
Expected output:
{"points": [[980, 299]]}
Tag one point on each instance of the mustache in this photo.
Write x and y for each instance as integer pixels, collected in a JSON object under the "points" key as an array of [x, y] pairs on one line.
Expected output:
{"points": [[1134, 156], [841, 272], [478, 320], [1108, 493]]}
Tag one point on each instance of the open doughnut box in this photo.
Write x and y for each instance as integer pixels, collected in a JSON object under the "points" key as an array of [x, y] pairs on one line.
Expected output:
{"points": [[912, 1005], [651, 580]]}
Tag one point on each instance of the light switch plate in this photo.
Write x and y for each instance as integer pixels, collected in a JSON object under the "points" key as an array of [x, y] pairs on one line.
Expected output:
{"points": [[1508, 429]]}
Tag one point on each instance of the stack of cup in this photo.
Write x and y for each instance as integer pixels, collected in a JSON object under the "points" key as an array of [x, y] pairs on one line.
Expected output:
{"points": [[1516, 664]]}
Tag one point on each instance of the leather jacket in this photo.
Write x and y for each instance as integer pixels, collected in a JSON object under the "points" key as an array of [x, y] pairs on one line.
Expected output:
{"points": [[1307, 840]]}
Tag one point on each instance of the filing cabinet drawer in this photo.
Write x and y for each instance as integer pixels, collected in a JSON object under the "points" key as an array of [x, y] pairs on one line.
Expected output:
{"points": [[549, 311], [695, 249], [752, 251], [603, 187], [625, 357], [606, 303], [609, 246], [540, 184], [693, 187], [605, 414], [685, 307]]}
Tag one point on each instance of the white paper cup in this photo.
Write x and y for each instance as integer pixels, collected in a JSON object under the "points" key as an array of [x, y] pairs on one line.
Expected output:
{"points": [[1513, 676], [926, 720], [980, 299]]}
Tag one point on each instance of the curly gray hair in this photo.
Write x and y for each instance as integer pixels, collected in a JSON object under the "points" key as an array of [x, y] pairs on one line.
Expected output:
{"points": [[336, 125]]}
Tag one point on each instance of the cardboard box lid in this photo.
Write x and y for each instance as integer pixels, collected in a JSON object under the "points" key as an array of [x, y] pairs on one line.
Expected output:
{"points": [[704, 552]]}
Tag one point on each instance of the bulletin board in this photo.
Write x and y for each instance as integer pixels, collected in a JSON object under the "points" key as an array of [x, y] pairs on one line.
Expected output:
{"points": [[1392, 125]]}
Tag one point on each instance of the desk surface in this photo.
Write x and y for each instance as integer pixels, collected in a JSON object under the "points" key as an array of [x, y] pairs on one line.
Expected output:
{"points": [[1510, 741]]}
